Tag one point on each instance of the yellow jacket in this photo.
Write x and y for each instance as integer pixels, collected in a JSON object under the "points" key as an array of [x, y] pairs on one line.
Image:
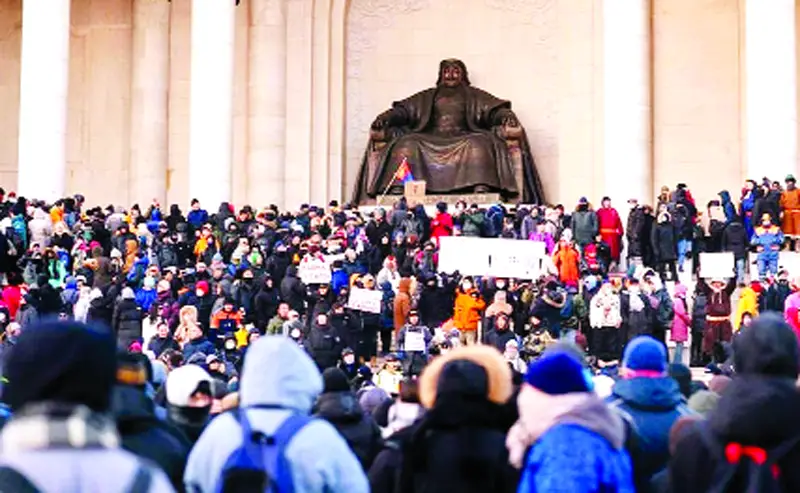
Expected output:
{"points": [[748, 303]]}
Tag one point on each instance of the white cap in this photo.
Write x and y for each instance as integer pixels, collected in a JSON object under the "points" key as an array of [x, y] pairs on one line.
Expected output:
{"points": [[183, 382]]}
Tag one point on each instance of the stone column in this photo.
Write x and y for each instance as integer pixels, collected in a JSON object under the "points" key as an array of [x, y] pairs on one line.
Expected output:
{"points": [[770, 127], [626, 101], [149, 104], [211, 101], [266, 155], [44, 78]]}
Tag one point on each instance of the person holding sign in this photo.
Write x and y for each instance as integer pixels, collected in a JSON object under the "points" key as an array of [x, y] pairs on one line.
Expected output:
{"points": [[413, 340], [768, 239]]}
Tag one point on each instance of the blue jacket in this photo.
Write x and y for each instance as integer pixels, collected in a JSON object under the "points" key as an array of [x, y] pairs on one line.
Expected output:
{"points": [[767, 238], [145, 298], [339, 280], [583, 453], [651, 405], [197, 217], [201, 345], [278, 374]]}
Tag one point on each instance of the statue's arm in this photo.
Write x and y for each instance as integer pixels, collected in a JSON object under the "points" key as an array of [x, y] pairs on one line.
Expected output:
{"points": [[396, 116]]}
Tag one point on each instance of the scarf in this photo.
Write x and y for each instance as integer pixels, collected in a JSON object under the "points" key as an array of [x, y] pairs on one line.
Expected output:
{"points": [[538, 413], [50, 425]]}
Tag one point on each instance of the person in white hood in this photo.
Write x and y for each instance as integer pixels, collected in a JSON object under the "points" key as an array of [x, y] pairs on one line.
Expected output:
{"points": [[279, 379]]}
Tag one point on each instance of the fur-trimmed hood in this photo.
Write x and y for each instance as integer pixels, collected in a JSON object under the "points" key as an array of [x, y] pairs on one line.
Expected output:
{"points": [[452, 368]]}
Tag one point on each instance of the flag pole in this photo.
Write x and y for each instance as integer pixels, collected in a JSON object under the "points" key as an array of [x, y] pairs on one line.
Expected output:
{"points": [[391, 182]]}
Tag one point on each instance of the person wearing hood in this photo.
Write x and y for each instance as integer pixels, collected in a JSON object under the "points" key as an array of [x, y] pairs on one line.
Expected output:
{"points": [[127, 319], [268, 307], [279, 379], [584, 224], [189, 396], [436, 301], [663, 241], [293, 291], [70, 294], [735, 240], [651, 401], [62, 436], [338, 405], [758, 408], [577, 442], [323, 344], [146, 295], [467, 310], [679, 332], [142, 432], [727, 207], [459, 444], [546, 310]]}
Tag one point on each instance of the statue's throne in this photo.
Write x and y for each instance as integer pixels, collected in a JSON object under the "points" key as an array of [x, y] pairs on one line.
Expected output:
{"points": [[380, 138]]}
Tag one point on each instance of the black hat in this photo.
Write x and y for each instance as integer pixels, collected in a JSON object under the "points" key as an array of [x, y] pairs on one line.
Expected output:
{"points": [[67, 362], [767, 347], [334, 380]]}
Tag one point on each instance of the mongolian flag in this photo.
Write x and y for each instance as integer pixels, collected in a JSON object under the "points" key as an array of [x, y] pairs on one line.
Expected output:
{"points": [[404, 173]]}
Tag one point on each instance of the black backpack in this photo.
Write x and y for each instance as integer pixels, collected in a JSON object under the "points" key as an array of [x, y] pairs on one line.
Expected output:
{"points": [[745, 468]]}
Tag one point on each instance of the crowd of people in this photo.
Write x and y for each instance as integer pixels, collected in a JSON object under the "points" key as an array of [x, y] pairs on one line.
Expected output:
{"points": [[198, 354]]}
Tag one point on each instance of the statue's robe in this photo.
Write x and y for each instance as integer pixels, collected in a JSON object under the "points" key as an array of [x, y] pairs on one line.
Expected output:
{"points": [[452, 142]]}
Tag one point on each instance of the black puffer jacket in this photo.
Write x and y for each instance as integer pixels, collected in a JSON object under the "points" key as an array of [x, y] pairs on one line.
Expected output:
{"points": [[734, 239], [342, 410], [146, 435], [324, 346], [127, 322], [293, 291], [664, 242]]}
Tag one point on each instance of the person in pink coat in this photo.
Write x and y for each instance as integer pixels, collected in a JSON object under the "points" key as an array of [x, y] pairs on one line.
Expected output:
{"points": [[791, 308], [680, 323]]}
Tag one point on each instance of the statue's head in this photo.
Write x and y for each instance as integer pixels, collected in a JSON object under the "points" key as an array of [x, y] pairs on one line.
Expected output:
{"points": [[452, 73]]}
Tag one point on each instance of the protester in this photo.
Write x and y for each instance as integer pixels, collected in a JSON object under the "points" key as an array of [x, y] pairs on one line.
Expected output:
{"points": [[61, 436]]}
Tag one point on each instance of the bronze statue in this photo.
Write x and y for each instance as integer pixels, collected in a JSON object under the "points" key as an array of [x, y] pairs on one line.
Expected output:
{"points": [[456, 137]]}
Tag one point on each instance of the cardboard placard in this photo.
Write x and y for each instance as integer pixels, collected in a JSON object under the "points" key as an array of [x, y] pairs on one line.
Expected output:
{"points": [[313, 270], [496, 257], [365, 300], [717, 265], [414, 190]]}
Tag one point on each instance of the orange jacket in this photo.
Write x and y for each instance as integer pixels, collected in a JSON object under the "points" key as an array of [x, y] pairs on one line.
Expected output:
{"points": [[402, 303], [566, 260], [467, 310]]}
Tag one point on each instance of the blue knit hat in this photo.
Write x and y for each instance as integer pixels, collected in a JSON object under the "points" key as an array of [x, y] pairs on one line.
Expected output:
{"points": [[644, 353], [558, 373]]}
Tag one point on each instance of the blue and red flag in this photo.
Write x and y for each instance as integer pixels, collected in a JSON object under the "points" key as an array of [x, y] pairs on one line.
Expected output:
{"points": [[404, 173]]}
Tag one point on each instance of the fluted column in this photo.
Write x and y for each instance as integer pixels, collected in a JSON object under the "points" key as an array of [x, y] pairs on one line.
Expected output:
{"points": [[770, 89], [44, 80], [149, 101], [211, 101], [266, 155], [626, 100]]}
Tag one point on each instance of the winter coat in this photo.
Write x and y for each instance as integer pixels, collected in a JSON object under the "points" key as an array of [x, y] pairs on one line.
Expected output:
{"points": [[402, 303], [146, 435], [727, 207], [581, 453], [748, 303], [324, 346], [679, 331], [278, 379], [293, 291], [158, 345], [473, 224], [636, 322], [127, 322], [441, 225], [566, 261], [467, 310], [775, 298], [664, 241], [197, 346], [362, 434], [604, 310], [41, 228], [699, 312], [754, 410], [652, 405], [584, 226]]}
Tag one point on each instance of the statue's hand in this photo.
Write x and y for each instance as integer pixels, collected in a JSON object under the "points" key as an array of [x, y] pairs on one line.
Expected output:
{"points": [[510, 120], [378, 124]]}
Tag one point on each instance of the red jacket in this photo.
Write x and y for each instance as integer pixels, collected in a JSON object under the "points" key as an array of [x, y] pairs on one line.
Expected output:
{"points": [[442, 225]]}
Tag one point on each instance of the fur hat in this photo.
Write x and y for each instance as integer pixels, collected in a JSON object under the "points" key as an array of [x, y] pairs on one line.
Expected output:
{"points": [[460, 371], [644, 353], [558, 373]]}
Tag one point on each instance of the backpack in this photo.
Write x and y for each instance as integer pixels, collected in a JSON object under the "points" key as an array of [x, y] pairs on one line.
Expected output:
{"points": [[745, 469], [259, 465], [666, 311]]}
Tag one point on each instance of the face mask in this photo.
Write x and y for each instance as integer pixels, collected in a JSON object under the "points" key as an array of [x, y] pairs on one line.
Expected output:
{"points": [[466, 285], [295, 334], [230, 345], [349, 360], [198, 293], [501, 285]]}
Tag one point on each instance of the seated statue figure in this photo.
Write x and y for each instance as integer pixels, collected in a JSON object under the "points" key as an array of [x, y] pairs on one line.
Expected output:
{"points": [[457, 138]]}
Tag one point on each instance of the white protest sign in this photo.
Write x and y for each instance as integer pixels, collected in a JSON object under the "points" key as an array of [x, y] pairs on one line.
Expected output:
{"points": [[496, 257], [716, 265], [365, 300], [414, 341], [791, 262], [314, 270]]}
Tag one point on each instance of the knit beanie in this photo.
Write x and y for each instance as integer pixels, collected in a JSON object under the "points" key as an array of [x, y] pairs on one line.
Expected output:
{"points": [[67, 362], [558, 373], [768, 347], [646, 354], [334, 380], [128, 294]]}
